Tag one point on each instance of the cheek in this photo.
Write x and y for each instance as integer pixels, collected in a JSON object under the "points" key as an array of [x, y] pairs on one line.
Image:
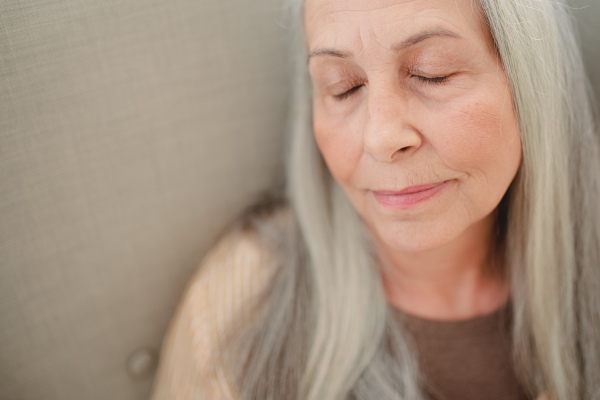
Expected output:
{"points": [[481, 137], [340, 145]]}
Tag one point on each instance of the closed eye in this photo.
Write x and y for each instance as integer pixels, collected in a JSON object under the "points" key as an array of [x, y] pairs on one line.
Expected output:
{"points": [[347, 93], [437, 80]]}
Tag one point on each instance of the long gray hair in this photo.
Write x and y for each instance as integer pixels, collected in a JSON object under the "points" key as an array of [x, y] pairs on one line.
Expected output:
{"points": [[325, 331]]}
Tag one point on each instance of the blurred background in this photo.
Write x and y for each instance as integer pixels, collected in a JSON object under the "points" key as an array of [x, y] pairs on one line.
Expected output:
{"points": [[131, 133]]}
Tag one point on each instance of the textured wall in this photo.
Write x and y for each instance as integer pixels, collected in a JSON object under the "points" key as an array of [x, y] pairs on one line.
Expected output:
{"points": [[130, 133], [587, 17]]}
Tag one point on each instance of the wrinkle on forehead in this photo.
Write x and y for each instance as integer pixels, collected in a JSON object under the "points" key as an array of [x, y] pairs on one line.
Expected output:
{"points": [[320, 13], [347, 4], [352, 6]]}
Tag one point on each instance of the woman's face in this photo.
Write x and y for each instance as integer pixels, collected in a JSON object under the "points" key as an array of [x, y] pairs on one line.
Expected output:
{"points": [[413, 115]]}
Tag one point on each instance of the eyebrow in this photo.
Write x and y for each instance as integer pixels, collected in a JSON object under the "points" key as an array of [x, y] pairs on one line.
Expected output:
{"points": [[419, 37], [406, 43]]}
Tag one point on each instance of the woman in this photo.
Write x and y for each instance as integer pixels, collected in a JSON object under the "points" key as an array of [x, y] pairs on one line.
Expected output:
{"points": [[446, 186]]}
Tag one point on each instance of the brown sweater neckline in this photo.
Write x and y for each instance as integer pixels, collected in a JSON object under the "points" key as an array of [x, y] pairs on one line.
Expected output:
{"points": [[458, 329], [467, 359]]}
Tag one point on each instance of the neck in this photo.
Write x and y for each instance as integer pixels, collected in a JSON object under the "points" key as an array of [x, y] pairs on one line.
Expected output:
{"points": [[456, 281]]}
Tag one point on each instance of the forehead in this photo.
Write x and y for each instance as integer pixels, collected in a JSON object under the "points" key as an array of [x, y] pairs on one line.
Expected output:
{"points": [[350, 23]]}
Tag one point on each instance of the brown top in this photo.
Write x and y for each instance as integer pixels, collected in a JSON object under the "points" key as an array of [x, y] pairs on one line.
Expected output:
{"points": [[463, 360], [468, 359]]}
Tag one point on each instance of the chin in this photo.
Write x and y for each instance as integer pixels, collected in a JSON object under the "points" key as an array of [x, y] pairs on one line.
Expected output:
{"points": [[424, 233], [415, 240], [419, 236]]}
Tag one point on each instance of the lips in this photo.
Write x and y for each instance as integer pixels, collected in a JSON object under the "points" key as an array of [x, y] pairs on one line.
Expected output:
{"points": [[408, 197]]}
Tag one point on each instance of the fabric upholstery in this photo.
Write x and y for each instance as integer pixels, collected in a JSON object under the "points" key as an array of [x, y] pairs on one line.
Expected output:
{"points": [[131, 132], [587, 19]]}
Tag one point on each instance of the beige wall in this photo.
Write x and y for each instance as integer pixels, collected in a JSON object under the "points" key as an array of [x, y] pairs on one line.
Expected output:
{"points": [[130, 132], [587, 14]]}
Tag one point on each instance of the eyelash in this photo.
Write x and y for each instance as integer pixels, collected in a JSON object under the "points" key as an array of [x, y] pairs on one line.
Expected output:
{"points": [[346, 94], [437, 80]]}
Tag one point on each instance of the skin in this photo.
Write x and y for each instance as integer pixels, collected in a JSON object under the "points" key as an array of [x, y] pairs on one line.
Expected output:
{"points": [[409, 93]]}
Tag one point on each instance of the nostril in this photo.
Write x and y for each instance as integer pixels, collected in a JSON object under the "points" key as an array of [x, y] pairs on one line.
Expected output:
{"points": [[401, 150]]}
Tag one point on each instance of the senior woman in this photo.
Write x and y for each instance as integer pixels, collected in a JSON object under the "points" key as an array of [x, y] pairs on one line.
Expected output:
{"points": [[440, 237]]}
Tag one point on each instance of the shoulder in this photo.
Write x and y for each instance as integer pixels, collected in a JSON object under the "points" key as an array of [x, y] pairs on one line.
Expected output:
{"points": [[240, 263], [237, 269]]}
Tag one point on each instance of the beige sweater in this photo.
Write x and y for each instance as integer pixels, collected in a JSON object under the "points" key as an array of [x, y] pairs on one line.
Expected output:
{"points": [[229, 274]]}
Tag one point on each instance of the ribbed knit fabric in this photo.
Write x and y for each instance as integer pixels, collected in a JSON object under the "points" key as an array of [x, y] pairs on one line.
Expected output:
{"points": [[461, 360], [189, 365]]}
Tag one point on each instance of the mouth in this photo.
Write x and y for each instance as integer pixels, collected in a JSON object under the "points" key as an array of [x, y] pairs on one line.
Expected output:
{"points": [[408, 197]]}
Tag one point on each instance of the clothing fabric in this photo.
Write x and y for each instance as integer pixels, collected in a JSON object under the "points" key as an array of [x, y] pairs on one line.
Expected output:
{"points": [[461, 360], [468, 359], [189, 364]]}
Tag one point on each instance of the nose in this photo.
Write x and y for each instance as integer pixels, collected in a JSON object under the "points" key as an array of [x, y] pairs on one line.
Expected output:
{"points": [[389, 129]]}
